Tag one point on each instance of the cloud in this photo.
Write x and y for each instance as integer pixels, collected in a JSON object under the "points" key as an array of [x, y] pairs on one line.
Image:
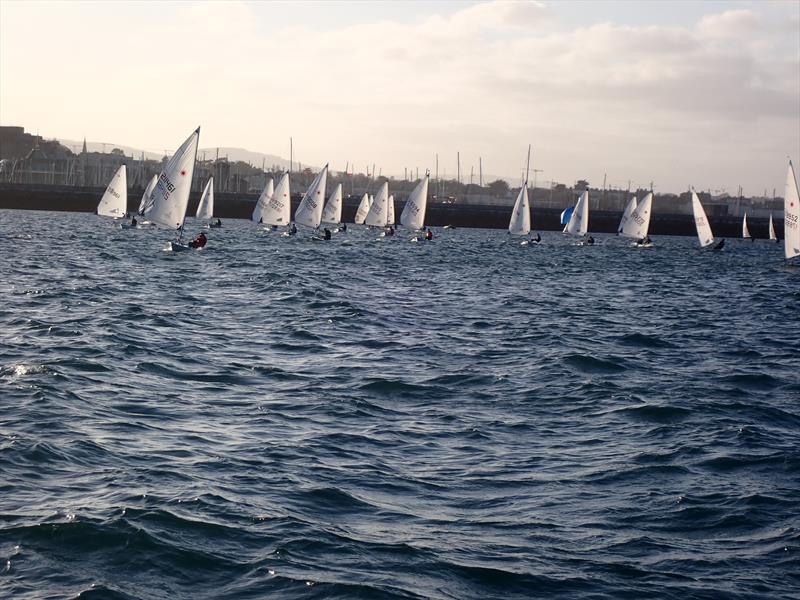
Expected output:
{"points": [[656, 101]]}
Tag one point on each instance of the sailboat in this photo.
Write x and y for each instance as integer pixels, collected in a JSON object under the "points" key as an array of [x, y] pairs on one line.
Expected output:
{"points": [[579, 220], [413, 215], [637, 224], [791, 216], [309, 213], [745, 231], [147, 191], [332, 213], [390, 211], [566, 215], [520, 222], [205, 208], [170, 196], [772, 235], [363, 209], [274, 205], [377, 214], [114, 202], [701, 222], [626, 216]]}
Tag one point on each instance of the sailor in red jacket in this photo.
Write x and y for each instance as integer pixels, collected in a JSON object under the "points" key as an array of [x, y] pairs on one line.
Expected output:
{"points": [[199, 241]]}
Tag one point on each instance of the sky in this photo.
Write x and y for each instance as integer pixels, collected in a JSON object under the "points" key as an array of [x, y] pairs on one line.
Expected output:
{"points": [[678, 93]]}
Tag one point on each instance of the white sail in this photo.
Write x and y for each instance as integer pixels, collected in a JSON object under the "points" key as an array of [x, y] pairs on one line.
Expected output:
{"points": [[147, 191], [363, 209], [170, 196], [520, 223], [413, 216], [625, 224], [638, 222], [274, 207], [791, 216], [745, 230], [772, 235], [114, 202], [206, 206], [701, 222], [641, 215], [390, 211], [376, 217], [332, 213], [579, 221], [309, 213], [260, 211]]}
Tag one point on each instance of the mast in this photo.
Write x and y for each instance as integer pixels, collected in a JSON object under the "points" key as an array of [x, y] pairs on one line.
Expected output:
{"points": [[528, 165]]}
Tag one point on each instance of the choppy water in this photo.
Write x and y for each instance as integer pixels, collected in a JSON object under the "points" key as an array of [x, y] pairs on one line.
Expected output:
{"points": [[469, 418]]}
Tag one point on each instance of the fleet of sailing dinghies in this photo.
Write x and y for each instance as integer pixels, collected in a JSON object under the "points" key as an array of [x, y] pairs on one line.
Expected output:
{"points": [[309, 212], [520, 223], [579, 221], [363, 209], [114, 202], [332, 213], [146, 196], [205, 208], [170, 196], [413, 215], [791, 215], [166, 198], [701, 222], [378, 212]]}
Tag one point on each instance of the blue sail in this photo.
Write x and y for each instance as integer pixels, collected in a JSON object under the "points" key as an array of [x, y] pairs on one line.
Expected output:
{"points": [[565, 216]]}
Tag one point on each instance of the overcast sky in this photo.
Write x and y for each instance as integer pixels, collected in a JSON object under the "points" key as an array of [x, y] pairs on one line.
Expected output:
{"points": [[701, 93]]}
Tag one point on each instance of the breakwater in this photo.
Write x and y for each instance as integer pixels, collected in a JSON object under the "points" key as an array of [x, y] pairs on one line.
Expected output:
{"points": [[240, 206]]}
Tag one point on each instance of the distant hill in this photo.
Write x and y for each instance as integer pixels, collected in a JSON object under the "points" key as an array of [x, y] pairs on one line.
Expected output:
{"points": [[233, 154]]}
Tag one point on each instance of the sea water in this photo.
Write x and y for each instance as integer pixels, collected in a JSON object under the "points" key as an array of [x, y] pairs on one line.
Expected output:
{"points": [[370, 417]]}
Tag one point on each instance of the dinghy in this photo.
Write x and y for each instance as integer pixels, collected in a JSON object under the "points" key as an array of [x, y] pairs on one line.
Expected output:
{"points": [[745, 230], [146, 196], [309, 212], [520, 222], [791, 216], [170, 196], [332, 213], [413, 215], [626, 215], [205, 208], [363, 209], [579, 219], [377, 214], [772, 235], [114, 202], [701, 222], [273, 208], [637, 223]]}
